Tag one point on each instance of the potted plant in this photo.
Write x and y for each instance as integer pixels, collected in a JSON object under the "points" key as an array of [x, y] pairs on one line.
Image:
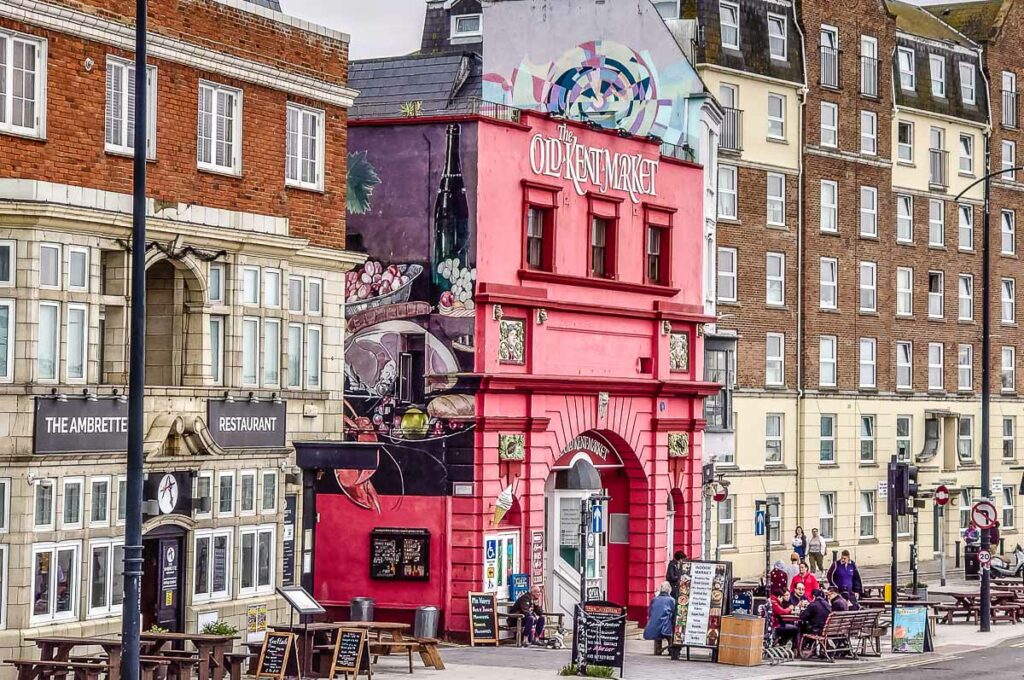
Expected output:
{"points": [[219, 628], [922, 589]]}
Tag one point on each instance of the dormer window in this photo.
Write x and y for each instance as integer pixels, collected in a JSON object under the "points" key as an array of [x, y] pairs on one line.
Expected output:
{"points": [[467, 26], [729, 22], [905, 58], [938, 68]]}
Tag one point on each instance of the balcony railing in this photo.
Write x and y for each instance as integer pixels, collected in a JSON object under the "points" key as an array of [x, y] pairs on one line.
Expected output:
{"points": [[680, 153], [732, 131], [830, 58], [938, 168], [1010, 118], [869, 76]]}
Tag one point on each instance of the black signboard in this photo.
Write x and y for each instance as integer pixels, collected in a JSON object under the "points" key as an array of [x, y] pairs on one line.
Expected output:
{"points": [[350, 652], [246, 425], [274, 656], [599, 636], [400, 554], [80, 426], [288, 544], [172, 492], [483, 619]]}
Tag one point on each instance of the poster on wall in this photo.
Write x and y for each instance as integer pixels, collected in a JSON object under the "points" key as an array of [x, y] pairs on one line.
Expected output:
{"points": [[705, 593], [537, 558], [255, 622]]}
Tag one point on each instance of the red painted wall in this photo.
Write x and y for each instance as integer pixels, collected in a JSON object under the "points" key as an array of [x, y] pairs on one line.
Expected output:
{"points": [[342, 556]]}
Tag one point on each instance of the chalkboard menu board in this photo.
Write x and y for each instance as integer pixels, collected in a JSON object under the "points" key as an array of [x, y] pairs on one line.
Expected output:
{"points": [[400, 554], [274, 656], [599, 636], [705, 596], [483, 619], [350, 652]]}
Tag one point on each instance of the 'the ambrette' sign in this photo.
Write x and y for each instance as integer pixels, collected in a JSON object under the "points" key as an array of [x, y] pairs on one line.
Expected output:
{"points": [[243, 424], [80, 426], [604, 169]]}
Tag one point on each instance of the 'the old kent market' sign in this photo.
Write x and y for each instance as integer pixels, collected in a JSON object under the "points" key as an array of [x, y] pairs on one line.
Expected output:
{"points": [[80, 426], [243, 424], [567, 158]]}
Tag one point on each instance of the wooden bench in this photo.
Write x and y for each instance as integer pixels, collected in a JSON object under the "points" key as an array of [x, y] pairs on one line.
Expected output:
{"points": [[513, 623], [30, 669], [236, 662], [840, 634], [430, 654], [386, 647]]}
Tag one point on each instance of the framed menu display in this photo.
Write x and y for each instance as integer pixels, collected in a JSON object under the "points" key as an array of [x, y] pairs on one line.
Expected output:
{"points": [[705, 596], [350, 653], [400, 554]]}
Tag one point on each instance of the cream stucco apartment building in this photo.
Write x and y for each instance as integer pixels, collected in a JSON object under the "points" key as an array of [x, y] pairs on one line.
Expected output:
{"points": [[244, 327], [855, 290]]}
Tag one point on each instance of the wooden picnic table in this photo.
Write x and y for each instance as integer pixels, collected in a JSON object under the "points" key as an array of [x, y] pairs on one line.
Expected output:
{"points": [[56, 648], [1006, 605], [379, 628], [210, 649]]}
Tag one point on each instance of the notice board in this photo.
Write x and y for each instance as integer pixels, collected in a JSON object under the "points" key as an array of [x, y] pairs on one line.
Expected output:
{"points": [[274, 655], [599, 636], [400, 554], [705, 596], [350, 654]]}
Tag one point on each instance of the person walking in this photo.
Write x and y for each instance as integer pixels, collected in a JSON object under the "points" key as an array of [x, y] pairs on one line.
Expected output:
{"points": [[845, 576], [816, 547], [675, 572], [800, 543]]}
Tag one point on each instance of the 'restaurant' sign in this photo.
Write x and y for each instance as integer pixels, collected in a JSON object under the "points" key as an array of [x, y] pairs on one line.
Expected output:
{"points": [[565, 157], [245, 425], [80, 426]]}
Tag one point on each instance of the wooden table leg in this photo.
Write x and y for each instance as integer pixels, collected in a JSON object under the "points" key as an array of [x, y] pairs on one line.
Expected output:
{"points": [[204, 661]]}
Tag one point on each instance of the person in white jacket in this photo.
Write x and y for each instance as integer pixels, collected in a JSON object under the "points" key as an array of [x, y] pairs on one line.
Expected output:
{"points": [[816, 548]]}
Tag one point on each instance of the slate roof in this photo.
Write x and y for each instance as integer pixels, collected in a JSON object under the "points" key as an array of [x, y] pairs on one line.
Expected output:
{"points": [[444, 83], [916, 21], [977, 20]]}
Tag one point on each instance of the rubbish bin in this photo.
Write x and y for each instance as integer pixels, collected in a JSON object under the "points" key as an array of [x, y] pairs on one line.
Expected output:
{"points": [[972, 567], [425, 625], [361, 609]]}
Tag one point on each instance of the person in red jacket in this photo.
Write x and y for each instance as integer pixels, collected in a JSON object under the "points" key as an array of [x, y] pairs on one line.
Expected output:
{"points": [[805, 577], [779, 602]]}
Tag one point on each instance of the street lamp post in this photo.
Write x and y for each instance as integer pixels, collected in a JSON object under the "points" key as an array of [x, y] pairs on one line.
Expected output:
{"points": [[131, 623], [985, 618]]}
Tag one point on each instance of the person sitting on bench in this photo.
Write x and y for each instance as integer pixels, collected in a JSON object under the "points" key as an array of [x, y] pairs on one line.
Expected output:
{"points": [[531, 606], [662, 615], [813, 619]]}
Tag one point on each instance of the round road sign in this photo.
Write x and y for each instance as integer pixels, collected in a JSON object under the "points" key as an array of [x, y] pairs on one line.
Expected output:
{"points": [[941, 495], [983, 514], [985, 558]]}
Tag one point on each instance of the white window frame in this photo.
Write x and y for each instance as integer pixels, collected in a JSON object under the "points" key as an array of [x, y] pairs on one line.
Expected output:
{"points": [[214, 491], [216, 293], [71, 252], [264, 475], [105, 520], [830, 132], [1008, 161], [904, 291], [936, 350], [867, 444], [300, 150], [242, 476], [58, 263], [828, 283], [907, 440], [84, 309], [869, 214], [1009, 507], [773, 360], [966, 149], [1009, 438], [246, 300], [318, 284], [868, 287], [937, 73], [217, 357], [38, 127], [234, 167], [776, 202], [904, 218], [725, 27], [965, 368], [251, 323], [1008, 232], [1008, 303], [936, 226], [65, 482], [124, 144], [905, 150], [904, 364], [829, 222], [868, 363], [967, 439], [937, 299], [827, 357], [728, 196], [109, 609], [295, 378], [301, 297], [212, 535], [779, 120], [122, 501], [827, 514], [728, 274], [726, 518], [457, 33], [57, 332], [830, 439], [36, 485], [311, 384], [1008, 369], [869, 133], [866, 507], [3, 587], [5, 511], [779, 280], [965, 227], [968, 84], [12, 262], [11, 307], [965, 301], [268, 356], [75, 581], [908, 78], [778, 20], [225, 474], [255, 531], [271, 301]]}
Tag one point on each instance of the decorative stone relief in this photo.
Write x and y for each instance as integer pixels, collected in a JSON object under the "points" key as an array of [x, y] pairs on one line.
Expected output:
{"points": [[678, 444], [666, 327], [542, 316], [511, 447], [679, 352], [497, 313], [512, 334]]}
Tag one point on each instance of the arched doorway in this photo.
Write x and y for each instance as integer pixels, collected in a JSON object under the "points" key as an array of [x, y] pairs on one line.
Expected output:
{"points": [[174, 324]]}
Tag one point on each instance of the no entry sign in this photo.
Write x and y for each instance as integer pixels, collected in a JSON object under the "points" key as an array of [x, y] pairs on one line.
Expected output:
{"points": [[983, 514], [941, 495]]}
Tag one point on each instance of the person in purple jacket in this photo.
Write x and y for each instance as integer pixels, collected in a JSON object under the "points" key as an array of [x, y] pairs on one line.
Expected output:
{"points": [[845, 576]]}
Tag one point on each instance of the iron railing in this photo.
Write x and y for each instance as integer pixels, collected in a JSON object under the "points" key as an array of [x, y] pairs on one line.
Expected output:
{"points": [[732, 130], [681, 153], [424, 108], [830, 71], [1010, 118], [938, 168], [869, 76]]}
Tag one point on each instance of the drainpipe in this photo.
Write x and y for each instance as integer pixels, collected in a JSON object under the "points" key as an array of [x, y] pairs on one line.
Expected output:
{"points": [[800, 291]]}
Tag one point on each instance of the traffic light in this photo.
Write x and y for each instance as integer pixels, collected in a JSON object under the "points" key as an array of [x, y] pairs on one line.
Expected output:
{"points": [[892, 498], [904, 484]]}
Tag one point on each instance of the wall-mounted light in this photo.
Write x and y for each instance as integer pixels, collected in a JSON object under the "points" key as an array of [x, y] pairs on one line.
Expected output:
{"points": [[87, 64], [62, 397], [228, 398], [90, 396], [253, 399], [276, 398]]}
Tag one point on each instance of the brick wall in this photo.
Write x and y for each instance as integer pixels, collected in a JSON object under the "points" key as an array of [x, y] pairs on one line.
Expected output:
{"points": [[73, 151]]}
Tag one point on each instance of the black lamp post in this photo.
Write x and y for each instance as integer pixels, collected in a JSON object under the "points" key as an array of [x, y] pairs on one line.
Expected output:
{"points": [[985, 619], [131, 622]]}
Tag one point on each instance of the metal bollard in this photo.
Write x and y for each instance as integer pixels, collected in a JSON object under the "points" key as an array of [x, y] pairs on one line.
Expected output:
{"points": [[957, 565]]}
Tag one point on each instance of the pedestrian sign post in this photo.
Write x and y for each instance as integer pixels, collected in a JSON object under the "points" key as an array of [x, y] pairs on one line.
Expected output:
{"points": [[759, 523], [983, 514]]}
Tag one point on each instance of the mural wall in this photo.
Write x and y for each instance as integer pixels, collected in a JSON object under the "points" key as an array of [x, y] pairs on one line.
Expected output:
{"points": [[410, 314], [615, 64]]}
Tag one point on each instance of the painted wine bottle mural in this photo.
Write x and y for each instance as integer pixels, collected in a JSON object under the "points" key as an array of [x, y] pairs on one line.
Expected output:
{"points": [[452, 272]]}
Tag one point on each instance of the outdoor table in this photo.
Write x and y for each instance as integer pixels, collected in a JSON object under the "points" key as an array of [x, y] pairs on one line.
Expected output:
{"points": [[60, 648], [379, 628], [210, 649], [874, 590]]}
